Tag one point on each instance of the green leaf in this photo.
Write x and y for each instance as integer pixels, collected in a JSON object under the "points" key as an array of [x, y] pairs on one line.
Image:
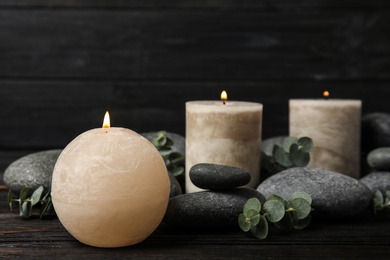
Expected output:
{"points": [[168, 143], [176, 158], [299, 158], [252, 204], [261, 230], [303, 195], [26, 209], [287, 142], [274, 209], [277, 197], [9, 199], [378, 195], [306, 143], [388, 194], [286, 223], [301, 208], [36, 196], [177, 171], [243, 223], [165, 153], [302, 223], [47, 205], [282, 157], [24, 193]]}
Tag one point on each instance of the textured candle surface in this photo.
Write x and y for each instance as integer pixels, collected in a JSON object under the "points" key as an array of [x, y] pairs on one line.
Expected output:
{"points": [[334, 126], [227, 134], [110, 187]]}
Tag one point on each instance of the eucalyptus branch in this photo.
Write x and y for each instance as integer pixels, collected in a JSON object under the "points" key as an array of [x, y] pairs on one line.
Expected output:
{"points": [[293, 153], [26, 203], [286, 215]]}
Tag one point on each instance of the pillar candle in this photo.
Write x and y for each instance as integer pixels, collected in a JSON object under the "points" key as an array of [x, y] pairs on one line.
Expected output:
{"points": [[227, 133], [334, 126], [110, 187]]}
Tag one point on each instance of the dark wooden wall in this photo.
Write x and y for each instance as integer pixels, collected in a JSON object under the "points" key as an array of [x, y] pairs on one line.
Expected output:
{"points": [[63, 63]]}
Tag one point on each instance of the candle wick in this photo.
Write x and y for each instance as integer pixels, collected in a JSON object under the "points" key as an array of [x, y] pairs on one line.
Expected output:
{"points": [[223, 102]]}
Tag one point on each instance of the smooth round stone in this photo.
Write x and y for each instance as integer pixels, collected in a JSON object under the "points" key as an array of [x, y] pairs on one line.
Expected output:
{"points": [[267, 145], [175, 188], [377, 181], [379, 158], [334, 195], [178, 141], [218, 177], [375, 131], [209, 208], [31, 171]]}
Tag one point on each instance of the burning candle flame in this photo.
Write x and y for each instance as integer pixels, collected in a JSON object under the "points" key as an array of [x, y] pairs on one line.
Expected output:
{"points": [[106, 121], [326, 94], [224, 96]]}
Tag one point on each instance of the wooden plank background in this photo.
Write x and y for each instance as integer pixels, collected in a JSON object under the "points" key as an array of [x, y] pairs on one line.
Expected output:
{"points": [[64, 63]]}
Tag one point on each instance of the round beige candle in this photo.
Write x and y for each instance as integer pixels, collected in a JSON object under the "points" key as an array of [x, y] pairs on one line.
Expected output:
{"points": [[110, 187], [227, 134], [334, 126]]}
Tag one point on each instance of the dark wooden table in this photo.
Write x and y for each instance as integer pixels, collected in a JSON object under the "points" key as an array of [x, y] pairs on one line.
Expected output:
{"points": [[362, 237]]}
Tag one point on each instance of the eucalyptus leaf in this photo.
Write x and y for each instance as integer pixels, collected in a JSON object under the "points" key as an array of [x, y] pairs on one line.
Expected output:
{"points": [[287, 142], [243, 223], [176, 157], [306, 143], [282, 157], [26, 209], [177, 171], [301, 208], [164, 152], [302, 223], [274, 209], [168, 143], [36, 196], [277, 197], [9, 199], [388, 194], [47, 206], [255, 219], [261, 230], [286, 223], [303, 195], [300, 159], [24, 193], [378, 195], [252, 204]]}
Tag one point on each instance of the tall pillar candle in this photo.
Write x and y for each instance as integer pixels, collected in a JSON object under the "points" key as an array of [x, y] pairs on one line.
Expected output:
{"points": [[334, 126], [224, 133]]}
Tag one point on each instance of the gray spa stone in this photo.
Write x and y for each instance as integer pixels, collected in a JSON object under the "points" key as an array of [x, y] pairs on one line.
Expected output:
{"points": [[209, 208], [377, 181], [334, 195], [218, 177], [375, 131], [178, 141], [379, 158], [31, 171]]}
